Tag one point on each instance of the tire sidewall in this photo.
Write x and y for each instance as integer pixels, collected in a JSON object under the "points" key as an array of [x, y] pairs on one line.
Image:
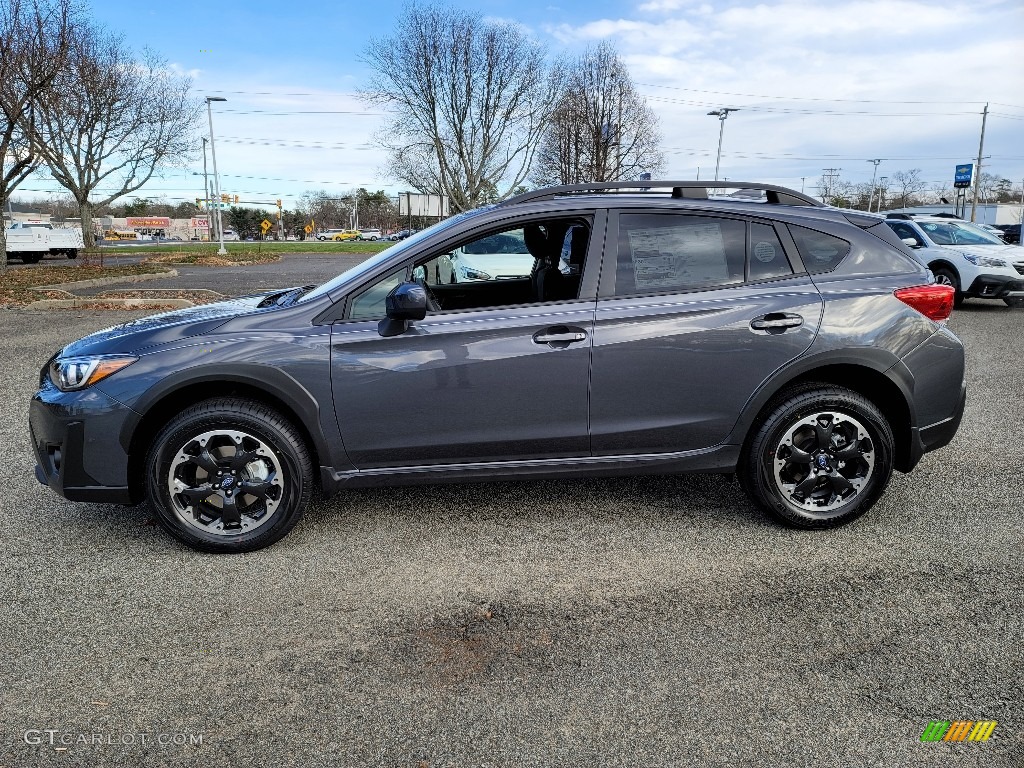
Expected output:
{"points": [[295, 492]]}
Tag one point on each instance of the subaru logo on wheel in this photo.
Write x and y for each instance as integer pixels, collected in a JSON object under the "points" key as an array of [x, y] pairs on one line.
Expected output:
{"points": [[822, 461], [227, 482]]}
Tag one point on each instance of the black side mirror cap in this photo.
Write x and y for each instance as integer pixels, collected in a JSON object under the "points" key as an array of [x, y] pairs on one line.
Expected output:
{"points": [[407, 301]]}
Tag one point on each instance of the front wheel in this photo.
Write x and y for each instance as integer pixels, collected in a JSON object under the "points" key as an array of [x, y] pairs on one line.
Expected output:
{"points": [[229, 475], [944, 276], [821, 458]]}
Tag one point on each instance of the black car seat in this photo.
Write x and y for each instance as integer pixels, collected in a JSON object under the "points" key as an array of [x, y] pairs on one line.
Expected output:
{"points": [[547, 280]]}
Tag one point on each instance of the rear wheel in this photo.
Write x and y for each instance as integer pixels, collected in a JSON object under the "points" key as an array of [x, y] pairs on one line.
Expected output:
{"points": [[229, 475], [30, 258], [821, 458], [946, 276]]}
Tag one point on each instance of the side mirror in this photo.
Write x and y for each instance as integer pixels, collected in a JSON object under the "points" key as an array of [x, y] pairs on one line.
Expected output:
{"points": [[407, 301], [911, 242]]}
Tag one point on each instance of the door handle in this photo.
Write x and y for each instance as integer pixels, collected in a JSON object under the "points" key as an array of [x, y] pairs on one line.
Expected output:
{"points": [[559, 335], [776, 322]]}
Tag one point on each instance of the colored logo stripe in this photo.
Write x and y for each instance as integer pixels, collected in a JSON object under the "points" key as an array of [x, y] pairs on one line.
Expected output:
{"points": [[959, 730], [935, 730], [982, 730]]}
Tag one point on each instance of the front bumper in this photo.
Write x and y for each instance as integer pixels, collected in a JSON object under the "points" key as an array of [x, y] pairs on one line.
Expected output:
{"points": [[996, 287], [76, 446]]}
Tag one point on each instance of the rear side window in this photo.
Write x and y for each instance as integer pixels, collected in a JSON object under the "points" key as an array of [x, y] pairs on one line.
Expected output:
{"points": [[673, 253], [767, 258], [820, 252]]}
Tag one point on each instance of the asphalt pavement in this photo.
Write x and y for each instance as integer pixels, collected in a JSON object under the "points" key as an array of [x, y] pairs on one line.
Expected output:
{"points": [[657, 621]]}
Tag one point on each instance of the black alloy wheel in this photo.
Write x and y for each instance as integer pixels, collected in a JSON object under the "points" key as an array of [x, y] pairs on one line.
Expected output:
{"points": [[821, 458]]}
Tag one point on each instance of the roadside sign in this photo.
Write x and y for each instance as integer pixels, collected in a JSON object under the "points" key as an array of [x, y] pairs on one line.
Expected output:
{"points": [[963, 175], [309, 229], [265, 226]]}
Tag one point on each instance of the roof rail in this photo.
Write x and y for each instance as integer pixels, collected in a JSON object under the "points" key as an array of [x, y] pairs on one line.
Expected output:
{"points": [[679, 189]]}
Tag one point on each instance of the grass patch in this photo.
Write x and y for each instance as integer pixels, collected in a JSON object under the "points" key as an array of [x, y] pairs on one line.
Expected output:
{"points": [[211, 259], [248, 249], [17, 284]]}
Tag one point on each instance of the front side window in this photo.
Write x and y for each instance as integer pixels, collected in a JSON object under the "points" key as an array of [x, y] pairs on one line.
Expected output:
{"points": [[537, 262], [673, 253], [369, 303]]}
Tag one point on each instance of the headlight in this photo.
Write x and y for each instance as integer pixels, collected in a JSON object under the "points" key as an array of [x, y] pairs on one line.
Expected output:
{"points": [[474, 274], [985, 261], [71, 373]]}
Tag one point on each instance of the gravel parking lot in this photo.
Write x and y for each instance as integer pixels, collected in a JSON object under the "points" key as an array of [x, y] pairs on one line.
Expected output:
{"points": [[646, 621]]}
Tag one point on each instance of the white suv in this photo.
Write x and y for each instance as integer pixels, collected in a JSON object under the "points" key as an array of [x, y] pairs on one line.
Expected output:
{"points": [[370, 234], [977, 264]]}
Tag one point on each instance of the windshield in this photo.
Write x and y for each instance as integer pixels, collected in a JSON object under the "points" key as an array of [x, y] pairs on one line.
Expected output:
{"points": [[371, 263], [957, 233]]}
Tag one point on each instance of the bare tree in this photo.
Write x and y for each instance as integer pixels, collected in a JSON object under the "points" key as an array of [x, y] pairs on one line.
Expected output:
{"points": [[909, 183], [601, 128], [34, 39], [471, 99], [113, 120]]}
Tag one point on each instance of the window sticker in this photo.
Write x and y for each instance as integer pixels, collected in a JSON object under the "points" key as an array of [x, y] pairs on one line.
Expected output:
{"points": [[764, 252], [669, 257]]}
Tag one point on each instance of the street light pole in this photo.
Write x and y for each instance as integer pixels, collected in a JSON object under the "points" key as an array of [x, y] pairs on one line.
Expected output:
{"points": [[721, 114], [874, 175], [881, 192], [216, 179], [206, 192]]}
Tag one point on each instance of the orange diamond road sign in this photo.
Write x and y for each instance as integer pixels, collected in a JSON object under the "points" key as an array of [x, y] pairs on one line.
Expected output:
{"points": [[265, 226], [309, 229]]}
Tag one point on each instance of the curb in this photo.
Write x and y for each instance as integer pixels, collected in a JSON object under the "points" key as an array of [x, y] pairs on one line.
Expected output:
{"points": [[106, 281], [123, 303]]}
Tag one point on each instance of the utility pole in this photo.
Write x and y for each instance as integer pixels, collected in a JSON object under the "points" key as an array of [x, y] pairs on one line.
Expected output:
{"points": [[977, 167], [871, 197], [802, 180], [222, 251], [881, 191], [829, 174]]}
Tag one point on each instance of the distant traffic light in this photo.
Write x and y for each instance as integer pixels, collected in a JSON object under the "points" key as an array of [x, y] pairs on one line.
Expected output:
{"points": [[236, 198], [224, 198], [278, 202], [198, 201]]}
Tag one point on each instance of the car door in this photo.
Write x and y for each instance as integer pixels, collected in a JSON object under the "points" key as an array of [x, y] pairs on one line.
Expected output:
{"points": [[694, 312], [472, 384]]}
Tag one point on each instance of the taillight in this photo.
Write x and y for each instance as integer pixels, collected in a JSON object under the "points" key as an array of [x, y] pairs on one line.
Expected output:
{"points": [[933, 301]]}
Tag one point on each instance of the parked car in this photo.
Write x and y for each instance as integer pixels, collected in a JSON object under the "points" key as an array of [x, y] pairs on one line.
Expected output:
{"points": [[370, 234], [337, 234], [402, 234], [230, 234], [1011, 232], [963, 255], [801, 347]]}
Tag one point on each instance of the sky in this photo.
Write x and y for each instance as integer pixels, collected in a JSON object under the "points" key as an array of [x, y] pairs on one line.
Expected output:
{"points": [[818, 84]]}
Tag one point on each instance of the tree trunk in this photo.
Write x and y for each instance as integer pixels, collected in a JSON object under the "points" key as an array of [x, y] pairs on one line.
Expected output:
{"points": [[88, 235]]}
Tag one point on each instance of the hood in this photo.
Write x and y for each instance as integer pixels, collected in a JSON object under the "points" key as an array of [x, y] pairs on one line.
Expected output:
{"points": [[498, 264], [1011, 253], [136, 335]]}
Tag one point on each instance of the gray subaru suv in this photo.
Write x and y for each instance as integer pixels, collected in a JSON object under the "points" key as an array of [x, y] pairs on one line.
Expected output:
{"points": [[602, 330]]}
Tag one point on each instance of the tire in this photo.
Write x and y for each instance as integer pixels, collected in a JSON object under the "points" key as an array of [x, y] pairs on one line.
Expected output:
{"points": [[30, 258], [71, 254], [203, 440], [841, 481], [946, 276]]}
